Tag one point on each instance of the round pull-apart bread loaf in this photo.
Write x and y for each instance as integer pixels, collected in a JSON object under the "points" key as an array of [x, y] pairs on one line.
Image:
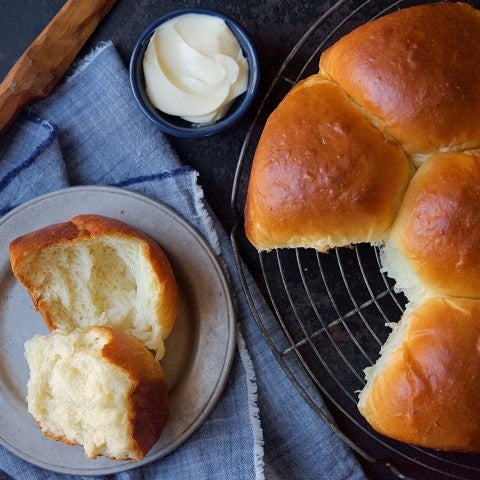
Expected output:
{"points": [[96, 270], [99, 388], [382, 146]]}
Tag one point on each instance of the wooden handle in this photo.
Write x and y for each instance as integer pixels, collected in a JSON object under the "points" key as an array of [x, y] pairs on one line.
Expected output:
{"points": [[44, 62]]}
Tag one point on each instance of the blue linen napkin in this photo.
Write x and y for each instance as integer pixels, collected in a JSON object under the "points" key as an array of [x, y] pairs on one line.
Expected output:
{"points": [[90, 131]]}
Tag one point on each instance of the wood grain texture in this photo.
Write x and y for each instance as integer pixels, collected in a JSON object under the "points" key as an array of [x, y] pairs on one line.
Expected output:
{"points": [[44, 62]]}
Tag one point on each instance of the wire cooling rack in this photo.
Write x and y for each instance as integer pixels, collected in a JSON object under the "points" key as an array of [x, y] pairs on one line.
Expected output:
{"points": [[332, 310]]}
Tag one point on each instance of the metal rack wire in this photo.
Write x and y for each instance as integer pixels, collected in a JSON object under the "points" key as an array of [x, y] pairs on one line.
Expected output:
{"points": [[332, 310]]}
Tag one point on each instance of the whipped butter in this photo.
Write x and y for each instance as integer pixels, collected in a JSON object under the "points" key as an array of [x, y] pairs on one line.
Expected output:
{"points": [[194, 68]]}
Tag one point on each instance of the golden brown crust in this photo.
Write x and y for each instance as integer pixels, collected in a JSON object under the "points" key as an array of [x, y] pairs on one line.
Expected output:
{"points": [[322, 175], [54, 437], [90, 226], [415, 71], [148, 398], [428, 391], [438, 225]]}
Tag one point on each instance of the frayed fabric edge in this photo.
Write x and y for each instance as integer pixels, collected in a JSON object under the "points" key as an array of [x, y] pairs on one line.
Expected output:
{"points": [[81, 64], [252, 394], [204, 214], [251, 380]]}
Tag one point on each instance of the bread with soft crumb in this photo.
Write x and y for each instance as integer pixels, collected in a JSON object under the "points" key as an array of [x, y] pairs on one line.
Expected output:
{"points": [[97, 387], [96, 270]]}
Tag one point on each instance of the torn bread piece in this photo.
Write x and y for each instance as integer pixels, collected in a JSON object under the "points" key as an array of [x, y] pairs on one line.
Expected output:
{"points": [[96, 270], [99, 388]]}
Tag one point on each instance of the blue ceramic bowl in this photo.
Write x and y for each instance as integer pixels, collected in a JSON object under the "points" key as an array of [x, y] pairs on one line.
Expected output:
{"points": [[175, 125]]}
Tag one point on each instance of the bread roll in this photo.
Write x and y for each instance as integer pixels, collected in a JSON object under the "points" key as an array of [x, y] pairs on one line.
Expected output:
{"points": [[436, 236], [94, 270], [99, 388], [322, 175], [424, 389], [415, 72]]}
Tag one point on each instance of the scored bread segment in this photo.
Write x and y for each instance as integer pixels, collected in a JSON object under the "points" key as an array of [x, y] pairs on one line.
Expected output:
{"points": [[99, 388], [322, 176], [96, 270], [425, 387], [436, 235], [415, 72]]}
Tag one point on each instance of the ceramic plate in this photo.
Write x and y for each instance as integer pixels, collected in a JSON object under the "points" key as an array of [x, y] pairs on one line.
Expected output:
{"points": [[199, 351]]}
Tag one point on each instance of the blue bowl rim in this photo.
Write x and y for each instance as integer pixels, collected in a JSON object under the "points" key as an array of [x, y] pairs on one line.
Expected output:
{"points": [[242, 103]]}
